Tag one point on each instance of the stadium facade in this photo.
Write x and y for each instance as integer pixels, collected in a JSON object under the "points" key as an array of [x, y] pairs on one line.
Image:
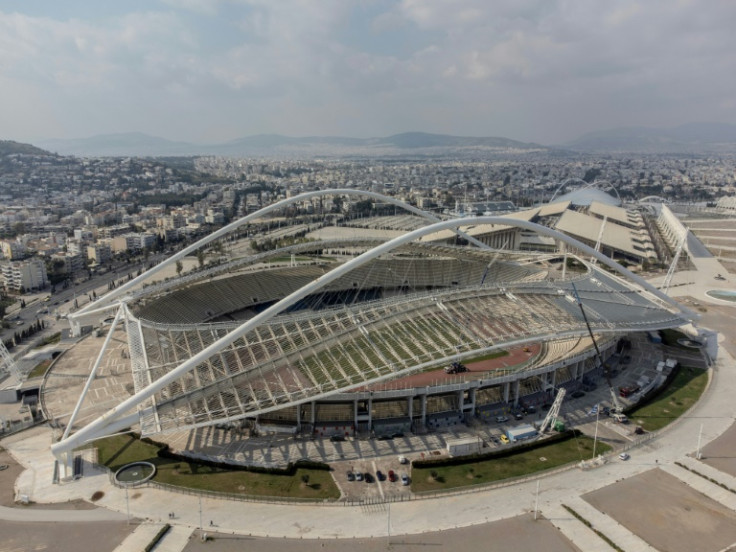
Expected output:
{"points": [[325, 336]]}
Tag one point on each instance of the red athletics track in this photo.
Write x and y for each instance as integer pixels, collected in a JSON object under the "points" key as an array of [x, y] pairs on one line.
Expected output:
{"points": [[515, 357]]}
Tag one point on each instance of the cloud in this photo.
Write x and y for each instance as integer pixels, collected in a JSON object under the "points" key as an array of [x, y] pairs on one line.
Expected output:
{"points": [[461, 66]]}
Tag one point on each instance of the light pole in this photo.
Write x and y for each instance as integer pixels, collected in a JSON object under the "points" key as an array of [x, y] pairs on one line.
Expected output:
{"points": [[700, 436], [595, 438], [536, 502], [388, 528], [200, 513]]}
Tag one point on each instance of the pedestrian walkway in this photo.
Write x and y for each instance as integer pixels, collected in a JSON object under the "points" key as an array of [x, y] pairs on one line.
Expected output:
{"points": [[619, 535], [139, 538], [575, 530], [175, 540], [702, 485]]}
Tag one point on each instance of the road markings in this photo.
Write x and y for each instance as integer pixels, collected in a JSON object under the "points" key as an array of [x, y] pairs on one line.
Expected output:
{"points": [[378, 481]]}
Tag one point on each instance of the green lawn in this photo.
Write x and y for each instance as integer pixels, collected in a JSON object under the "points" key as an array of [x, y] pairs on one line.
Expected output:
{"points": [[683, 392], [489, 356], [40, 369], [670, 337], [115, 452], [516, 465], [54, 338]]}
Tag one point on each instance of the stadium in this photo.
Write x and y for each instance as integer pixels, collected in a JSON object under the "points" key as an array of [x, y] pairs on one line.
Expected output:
{"points": [[348, 332]]}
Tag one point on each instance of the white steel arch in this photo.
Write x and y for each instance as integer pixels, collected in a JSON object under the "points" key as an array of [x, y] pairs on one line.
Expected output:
{"points": [[598, 184], [107, 301], [124, 414]]}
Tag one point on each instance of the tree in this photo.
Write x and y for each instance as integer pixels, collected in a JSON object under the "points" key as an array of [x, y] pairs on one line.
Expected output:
{"points": [[179, 268], [200, 257], [305, 479]]}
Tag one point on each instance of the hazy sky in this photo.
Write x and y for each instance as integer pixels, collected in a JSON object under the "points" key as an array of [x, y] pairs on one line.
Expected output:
{"points": [[212, 70]]}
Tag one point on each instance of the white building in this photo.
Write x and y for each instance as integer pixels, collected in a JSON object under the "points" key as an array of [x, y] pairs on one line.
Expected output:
{"points": [[23, 275]]}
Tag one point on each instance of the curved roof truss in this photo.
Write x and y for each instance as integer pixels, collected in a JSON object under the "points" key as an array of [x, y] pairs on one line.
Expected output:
{"points": [[140, 404]]}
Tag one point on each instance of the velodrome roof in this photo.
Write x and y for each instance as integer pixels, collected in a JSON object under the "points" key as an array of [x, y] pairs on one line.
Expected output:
{"points": [[619, 215], [587, 228], [586, 196]]}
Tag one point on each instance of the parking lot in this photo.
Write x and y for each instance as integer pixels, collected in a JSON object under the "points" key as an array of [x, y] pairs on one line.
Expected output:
{"points": [[370, 483]]}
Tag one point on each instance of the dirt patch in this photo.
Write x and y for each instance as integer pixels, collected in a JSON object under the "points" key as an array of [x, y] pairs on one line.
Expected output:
{"points": [[7, 489], [520, 534], [667, 513], [102, 536], [721, 452], [7, 478]]}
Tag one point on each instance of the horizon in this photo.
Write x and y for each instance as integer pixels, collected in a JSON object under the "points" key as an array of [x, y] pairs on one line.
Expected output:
{"points": [[211, 71]]}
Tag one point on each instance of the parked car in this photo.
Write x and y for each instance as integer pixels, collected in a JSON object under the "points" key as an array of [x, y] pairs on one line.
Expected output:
{"points": [[351, 476], [518, 416], [501, 419], [368, 477], [358, 476], [404, 479], [624, 456], [403, 460], [380, 476], [391, 476], [504, 439], [337, 438], [628, 390]]}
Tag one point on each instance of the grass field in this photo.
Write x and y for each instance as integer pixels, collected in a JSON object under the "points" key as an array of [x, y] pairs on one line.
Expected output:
{"points": [[40, 369], [115, 452], [497, 469], [682, 393], [670, 337], [489, 356]]}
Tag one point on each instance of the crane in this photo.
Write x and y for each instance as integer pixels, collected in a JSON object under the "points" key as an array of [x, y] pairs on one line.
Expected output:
{"points": [[617, 410], [554, 410]]}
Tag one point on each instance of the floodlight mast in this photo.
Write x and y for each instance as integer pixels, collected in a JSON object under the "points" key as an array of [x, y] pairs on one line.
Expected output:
{"points": [[617, 408]]}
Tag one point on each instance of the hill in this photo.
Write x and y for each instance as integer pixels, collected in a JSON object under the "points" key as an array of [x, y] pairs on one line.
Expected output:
{"points": [[9, 147], [414, 143], [694, 138]]}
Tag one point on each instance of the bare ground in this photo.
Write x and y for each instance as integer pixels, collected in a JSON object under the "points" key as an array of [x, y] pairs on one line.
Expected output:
{"points": [[100, 536], [520, 534], [7, 491], [667, 513], [721, 452]]}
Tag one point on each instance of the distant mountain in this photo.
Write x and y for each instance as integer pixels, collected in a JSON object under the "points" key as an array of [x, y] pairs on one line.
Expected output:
{"points": [[409, 140], [687, 138], [416, 143], [120, 145], [9, 147]]}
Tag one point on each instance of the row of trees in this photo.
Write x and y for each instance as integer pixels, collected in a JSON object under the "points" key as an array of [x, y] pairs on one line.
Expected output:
{"points": [[26, 333]]}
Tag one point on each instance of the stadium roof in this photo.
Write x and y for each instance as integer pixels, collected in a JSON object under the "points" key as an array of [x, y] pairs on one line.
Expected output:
{"points": [[585, 196]]}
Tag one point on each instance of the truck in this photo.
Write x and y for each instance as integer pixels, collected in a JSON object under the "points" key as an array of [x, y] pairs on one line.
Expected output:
{"points": [[620, 418], [464, 447]]}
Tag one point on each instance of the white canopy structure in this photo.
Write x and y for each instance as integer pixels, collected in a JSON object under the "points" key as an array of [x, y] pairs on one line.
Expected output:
{"points": [[325, 326]]}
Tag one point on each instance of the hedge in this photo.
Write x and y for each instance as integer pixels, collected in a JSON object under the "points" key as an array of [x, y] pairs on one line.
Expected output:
{"points": [[502, 453]]}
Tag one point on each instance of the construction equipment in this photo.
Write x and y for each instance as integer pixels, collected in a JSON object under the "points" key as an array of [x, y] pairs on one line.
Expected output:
{"points": [[554, 411], [617, 409]]}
